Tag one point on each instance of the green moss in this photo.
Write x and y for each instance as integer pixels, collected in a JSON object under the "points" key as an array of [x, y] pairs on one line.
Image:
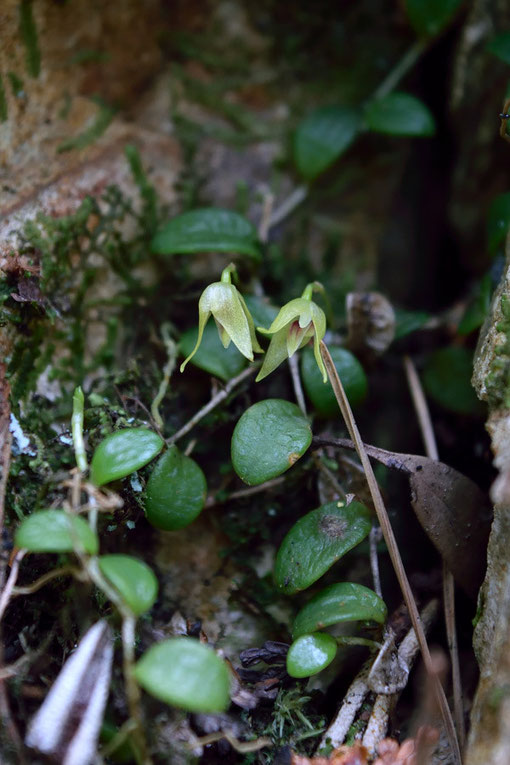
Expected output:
{"points": [[16, 84], [101, 121], [3, 102], [498, 379], [28, 32]]}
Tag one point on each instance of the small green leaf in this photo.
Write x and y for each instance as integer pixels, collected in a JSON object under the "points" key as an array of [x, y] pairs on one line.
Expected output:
{"points": [[317, 541], [210, 229], [268, 439], [310, 654], [500, 46], [133, 579], [211, 356], [321, 394], [343, 602], [123, 452], [447, 379], [498, 221], [263, 312], [429, 17], [186, 674], [409, 321], [175, 492], [400, 114], [322, 137], [55, 531]]}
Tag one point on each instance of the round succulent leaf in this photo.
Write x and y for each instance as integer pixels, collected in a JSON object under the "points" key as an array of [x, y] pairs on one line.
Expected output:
{"points": [[123, 452], [317, 541], [310, 654], [55, 531], [341, 602], [186, 674], [321, 394], [447, 380], [209, 229], [133, 579], [268, 439], [175, 492], [429, 17], [400, 114], [500, 46], [322, 137], [211, 356]]}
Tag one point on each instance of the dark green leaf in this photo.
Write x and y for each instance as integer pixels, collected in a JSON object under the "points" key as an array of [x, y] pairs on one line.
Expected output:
{"points": [[310, 654], [175, 492], [262, 311], [210, 229], [400, 114], [133, 579], [211, 356], [317, 541], [429, 17], [478, 306], [447, 379], [500, 46], [322, 137], [55, 531], [343, 602], [186, 674], [123, 452], [409, 321], [321, 394], [268, 439], [497, 222]]}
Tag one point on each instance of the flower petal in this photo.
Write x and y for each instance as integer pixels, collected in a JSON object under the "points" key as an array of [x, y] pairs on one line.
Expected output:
{"points": [[203, 317], [288, 313], [318, 357], [228, 311], [318, 317], [275, 354], [251, 326]]}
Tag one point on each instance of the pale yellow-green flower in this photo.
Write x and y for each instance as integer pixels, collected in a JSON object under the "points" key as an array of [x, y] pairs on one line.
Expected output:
{"points": [[225, 303], [298, 322]]}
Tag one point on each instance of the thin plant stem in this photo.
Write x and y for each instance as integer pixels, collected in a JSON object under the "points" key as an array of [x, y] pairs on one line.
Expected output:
{"points": [[429, 440], [296, 382], [399, 71], [393, 550], [77, 429], [133, 689], [213, 403], [128, 652], [422, 410], [374, 537], [171, 352], [45, 578], [11, 581], [288, 205], [348, 640]]}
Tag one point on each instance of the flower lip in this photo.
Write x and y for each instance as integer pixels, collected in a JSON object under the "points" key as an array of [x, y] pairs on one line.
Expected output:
{"points": [[297, 322]]}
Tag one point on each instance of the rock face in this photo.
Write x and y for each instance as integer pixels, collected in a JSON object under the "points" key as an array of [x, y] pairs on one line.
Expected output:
{"points": [[489, 740]]}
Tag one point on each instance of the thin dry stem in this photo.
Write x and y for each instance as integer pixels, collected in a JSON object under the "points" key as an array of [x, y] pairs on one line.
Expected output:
{"points": [[429, 440], [212, 404], [11, 581], [296, 382], [393, 550]]}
